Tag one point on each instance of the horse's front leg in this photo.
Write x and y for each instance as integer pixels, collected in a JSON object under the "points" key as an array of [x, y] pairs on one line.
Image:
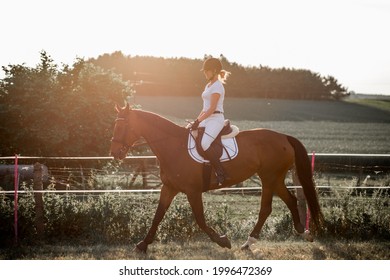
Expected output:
{"points": [[195, 200], [166, 197]]}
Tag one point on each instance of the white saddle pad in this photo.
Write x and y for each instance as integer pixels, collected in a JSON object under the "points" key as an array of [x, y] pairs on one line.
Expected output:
{"points": [[229, 152]]}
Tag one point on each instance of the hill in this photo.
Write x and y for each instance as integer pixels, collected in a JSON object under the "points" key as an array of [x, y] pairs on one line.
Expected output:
{"points": [[323, 126], [256, 109]]}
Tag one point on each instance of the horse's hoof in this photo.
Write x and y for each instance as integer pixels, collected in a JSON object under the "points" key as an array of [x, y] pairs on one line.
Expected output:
{"points": [[307, 236], [246, 246], [141, 247], [224, 242]]}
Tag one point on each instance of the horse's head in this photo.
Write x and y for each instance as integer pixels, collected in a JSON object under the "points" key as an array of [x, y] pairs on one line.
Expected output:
{"points": [[125, 132]]}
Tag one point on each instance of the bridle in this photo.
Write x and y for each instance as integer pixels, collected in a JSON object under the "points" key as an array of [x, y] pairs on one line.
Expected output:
{"points": [[124, 146]]}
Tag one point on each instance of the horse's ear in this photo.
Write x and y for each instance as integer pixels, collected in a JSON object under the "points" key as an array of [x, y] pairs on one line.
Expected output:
{"points": [[117, 108], [129, 103]]}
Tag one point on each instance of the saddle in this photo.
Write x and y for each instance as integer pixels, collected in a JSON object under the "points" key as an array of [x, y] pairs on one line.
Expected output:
{"points": [[225, 145], [228, 131]]}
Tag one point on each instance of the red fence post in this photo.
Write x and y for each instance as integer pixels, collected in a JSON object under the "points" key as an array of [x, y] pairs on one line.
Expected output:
{"points": [[16, 187]]}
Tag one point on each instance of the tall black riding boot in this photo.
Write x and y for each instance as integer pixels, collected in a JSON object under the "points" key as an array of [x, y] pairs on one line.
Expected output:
{"points": [[213, 157]]}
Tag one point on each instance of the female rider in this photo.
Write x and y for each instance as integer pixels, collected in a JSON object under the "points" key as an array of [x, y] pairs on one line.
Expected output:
{"points": [[211, 117]]}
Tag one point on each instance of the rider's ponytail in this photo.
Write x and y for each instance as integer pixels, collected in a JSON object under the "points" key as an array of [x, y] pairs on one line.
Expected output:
{"points": [[223, 75]]}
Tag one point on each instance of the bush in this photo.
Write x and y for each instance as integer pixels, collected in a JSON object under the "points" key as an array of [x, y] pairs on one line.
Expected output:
{"points": [[359, 216], [116, 218], [58, 111]]}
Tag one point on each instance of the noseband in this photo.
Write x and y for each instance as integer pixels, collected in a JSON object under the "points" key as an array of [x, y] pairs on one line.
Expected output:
{"points": [[122, 139]]}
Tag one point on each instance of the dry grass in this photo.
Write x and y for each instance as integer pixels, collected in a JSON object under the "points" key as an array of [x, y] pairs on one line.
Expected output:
{"points": [[206, 250], [352, 239]]}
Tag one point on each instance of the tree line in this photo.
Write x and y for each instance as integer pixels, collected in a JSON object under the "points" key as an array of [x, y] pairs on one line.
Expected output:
{"points": [[156, 76]]}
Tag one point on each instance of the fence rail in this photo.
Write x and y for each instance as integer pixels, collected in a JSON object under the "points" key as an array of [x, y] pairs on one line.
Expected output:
{"points": [[76, 171], [381, 160], [232, 189]]}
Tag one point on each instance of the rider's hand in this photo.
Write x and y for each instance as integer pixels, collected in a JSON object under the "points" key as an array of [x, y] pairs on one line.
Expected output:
{"points": [[193, 125]]}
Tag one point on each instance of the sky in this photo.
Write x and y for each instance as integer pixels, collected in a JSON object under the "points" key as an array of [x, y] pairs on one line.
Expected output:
{"points": [[346, 39]]}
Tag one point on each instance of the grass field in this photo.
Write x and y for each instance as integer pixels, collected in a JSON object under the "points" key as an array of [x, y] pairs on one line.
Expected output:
{"points": [[323, 126], [265, 110], [382, 104], [293, 249]]}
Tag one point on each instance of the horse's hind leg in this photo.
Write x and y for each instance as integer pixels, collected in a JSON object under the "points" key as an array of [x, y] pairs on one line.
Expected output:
{"points": [[195, 200], [265, 211], [291, 202], [269, 188], [166, 197]]}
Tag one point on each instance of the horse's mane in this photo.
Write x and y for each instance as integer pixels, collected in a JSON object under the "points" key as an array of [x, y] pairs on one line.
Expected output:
{"points": [[161, 123]]}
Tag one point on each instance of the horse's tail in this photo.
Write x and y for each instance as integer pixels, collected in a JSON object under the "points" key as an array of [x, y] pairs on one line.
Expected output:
{"points": [[305, 176]]}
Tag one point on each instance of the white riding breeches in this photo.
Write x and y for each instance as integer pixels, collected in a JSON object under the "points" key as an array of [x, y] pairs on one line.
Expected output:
{"points": [[213, 126]]}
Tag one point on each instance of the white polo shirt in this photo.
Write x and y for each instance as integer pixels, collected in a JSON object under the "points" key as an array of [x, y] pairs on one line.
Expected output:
{"points": [[216, 87]]}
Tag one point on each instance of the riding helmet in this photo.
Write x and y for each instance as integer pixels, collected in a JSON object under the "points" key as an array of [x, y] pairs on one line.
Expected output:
{"points": [[212, 64]]}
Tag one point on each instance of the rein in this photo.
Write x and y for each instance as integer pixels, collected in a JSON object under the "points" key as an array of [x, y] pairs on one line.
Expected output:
{"points": [[137, 143]]}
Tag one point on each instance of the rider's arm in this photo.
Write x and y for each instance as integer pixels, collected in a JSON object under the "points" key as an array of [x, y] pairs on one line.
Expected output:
{"points": [[213, 105]]}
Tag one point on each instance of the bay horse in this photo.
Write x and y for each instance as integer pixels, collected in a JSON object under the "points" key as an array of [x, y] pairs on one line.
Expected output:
{"points": [[268, 153]]}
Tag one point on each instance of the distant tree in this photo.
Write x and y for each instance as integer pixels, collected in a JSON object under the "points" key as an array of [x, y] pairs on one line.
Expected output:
{"points": [[181, 77], [334, 88], [58, 112]]}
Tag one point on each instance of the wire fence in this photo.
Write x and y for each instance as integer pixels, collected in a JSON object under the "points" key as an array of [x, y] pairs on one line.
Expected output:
{"points": [[140, 174]]}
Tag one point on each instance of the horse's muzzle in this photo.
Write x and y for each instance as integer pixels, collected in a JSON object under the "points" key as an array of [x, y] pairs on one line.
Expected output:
{"points": [[119, 154]]}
